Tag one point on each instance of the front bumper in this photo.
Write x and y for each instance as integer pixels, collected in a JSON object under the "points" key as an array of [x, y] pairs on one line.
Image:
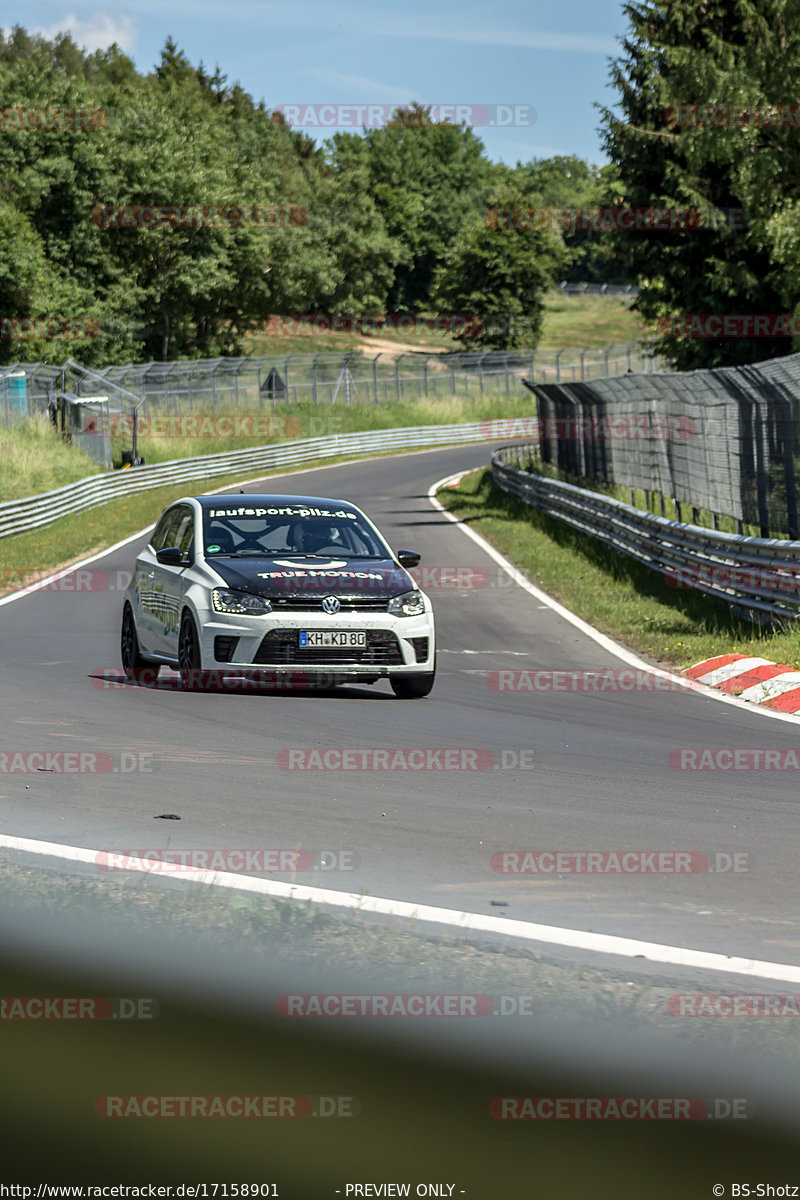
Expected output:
{"points": [[394, 645]]}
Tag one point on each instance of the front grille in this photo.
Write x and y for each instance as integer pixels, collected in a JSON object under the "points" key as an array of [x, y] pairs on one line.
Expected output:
{"points": [[280, 648], [314, 603]]}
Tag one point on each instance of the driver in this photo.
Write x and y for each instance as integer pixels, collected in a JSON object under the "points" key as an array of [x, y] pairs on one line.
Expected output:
{"points": [[310, 536]]}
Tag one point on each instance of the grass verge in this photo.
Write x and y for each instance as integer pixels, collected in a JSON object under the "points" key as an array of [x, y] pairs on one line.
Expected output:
{"points": [[293, 421], [617, 595], [573, 321]]}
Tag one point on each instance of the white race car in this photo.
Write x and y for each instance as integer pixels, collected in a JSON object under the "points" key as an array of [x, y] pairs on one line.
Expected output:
{"points": [[278, 587]]}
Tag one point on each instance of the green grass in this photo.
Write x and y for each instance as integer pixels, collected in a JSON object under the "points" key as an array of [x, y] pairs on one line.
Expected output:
{"points": [[618, 596], [590, 321], [568, 321], [33, 459], [431, 342], [304, 420]]}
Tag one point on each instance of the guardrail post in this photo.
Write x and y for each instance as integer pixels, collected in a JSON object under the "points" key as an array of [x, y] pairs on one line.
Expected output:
{"points": [[314, 377], [375, 374]]}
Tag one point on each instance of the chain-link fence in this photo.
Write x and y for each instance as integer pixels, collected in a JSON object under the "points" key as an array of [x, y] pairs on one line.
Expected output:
{"points": [[726, 440], [319, 379]]}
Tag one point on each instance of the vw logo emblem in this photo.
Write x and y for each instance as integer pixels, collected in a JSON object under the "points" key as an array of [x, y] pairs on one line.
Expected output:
{"points": [[330, 605]]}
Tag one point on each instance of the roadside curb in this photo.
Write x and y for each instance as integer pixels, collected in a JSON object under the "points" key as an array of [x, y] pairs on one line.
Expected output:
{"points": [[753, 680]]}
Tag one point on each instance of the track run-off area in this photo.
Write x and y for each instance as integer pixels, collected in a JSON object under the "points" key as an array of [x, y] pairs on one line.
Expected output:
{"points": [[564, 813]]}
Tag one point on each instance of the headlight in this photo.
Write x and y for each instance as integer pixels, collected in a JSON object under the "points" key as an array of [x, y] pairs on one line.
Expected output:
{"points": [[410, 604], [227, 601]]}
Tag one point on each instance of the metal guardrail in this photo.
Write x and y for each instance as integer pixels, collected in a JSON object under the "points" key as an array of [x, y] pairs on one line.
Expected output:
{"points": [[758, 577], [597, 289], [34, 512]]}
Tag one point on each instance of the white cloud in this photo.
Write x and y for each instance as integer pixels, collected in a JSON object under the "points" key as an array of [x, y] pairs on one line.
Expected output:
{"points": [[97, 33]]}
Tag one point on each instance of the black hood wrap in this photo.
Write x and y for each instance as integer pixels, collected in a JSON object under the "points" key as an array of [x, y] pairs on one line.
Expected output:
{"points": [[287, 577]]}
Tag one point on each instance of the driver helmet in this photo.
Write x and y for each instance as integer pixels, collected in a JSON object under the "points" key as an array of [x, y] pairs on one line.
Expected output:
{"points": [[310, 536]]}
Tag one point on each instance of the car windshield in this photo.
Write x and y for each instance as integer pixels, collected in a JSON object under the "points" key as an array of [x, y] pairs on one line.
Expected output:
{"points": [[251, 535]]}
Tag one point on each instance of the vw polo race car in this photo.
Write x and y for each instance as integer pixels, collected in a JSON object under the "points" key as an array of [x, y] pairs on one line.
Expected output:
{"points": [[276, 587]]}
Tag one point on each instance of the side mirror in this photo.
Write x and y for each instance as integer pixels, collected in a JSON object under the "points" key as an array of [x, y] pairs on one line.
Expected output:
{"points": [[408, 558], [171, 556]]}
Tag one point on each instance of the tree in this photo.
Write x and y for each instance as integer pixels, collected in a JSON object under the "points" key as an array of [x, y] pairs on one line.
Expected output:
{"points": [[678, 54], [427, 179], [500, 272], [567, 182]]}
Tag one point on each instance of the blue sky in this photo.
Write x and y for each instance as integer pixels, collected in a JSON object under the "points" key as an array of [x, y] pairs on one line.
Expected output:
{"points": [[549, 57]]}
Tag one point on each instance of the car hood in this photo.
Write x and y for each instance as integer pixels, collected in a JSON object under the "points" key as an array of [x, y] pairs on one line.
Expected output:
{"points": [[289, 577]]}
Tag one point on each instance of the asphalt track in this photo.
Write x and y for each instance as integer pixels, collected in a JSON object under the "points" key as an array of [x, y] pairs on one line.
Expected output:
{"points": [[597, 772]]}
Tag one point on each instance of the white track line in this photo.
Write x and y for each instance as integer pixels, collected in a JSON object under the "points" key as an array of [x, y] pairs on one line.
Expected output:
{"points": [[601, 639], [577, 939]]}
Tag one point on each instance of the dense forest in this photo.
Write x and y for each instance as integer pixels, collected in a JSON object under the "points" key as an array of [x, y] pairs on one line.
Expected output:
{"points": [[170, 215], [96, 260]]}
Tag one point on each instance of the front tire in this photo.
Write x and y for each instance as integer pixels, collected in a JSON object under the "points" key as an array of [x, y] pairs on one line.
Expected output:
{"points": [[190, 668], [412, 687], [136, 667]]}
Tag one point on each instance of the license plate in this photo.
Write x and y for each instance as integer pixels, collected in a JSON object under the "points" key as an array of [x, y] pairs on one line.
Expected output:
{"points": [[328, 637]]}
